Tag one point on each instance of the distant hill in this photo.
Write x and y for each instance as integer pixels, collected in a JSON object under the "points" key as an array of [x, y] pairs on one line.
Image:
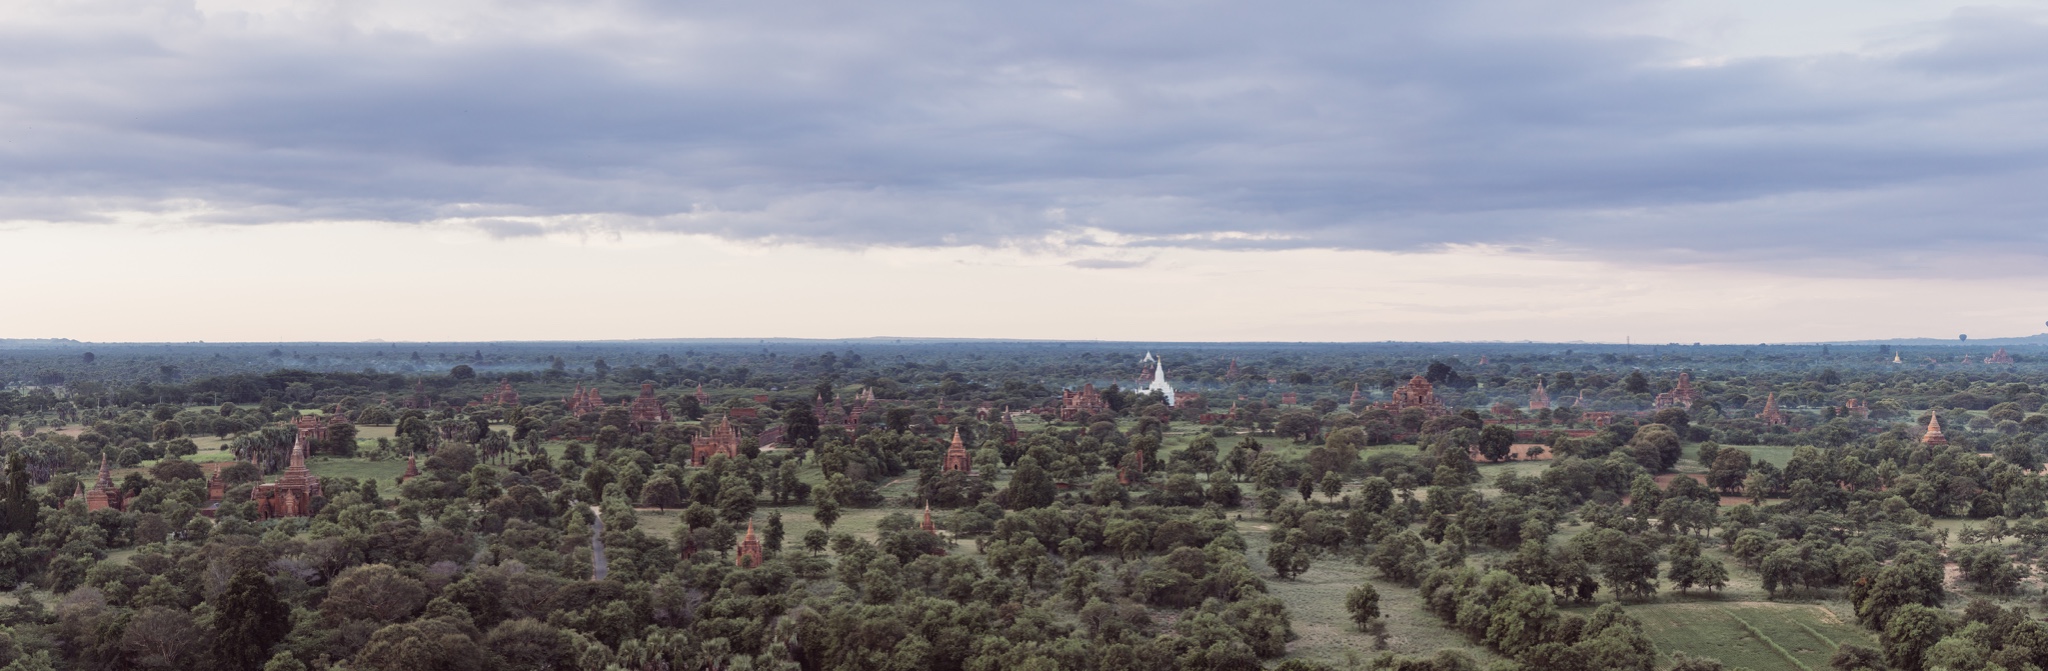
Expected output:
{"points": [[37, 343], [2036, 339]]}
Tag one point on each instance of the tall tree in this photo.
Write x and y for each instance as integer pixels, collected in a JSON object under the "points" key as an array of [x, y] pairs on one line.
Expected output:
{"points": [[1030, 486], [17, 504], [248, 620]]}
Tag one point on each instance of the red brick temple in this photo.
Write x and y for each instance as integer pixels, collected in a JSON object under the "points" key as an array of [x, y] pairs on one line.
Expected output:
{"points": [[723, 439], [647, 411], [1081, 404], [419, 396], [503, 396], [1857, 408], [1999, 357], [293, 493], [105, 494], [1770, 414], [1680, 395], [1933, 435], [750, 549], [1418, 393], [1540, 398], [956, 456]]}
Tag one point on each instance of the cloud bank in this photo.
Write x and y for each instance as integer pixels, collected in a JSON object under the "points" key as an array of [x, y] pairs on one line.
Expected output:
{"points": [[1575, 127]]}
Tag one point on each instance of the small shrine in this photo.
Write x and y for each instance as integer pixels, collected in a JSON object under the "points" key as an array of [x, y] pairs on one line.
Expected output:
{"points": [[750, 549]]}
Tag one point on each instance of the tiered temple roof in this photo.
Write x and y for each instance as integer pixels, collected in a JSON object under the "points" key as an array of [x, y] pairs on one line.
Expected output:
{"points": [[956, 456], [1539, 399], [1857, 408], [293, 493], [647, 410], [723, 439], [1999, 357], [1418, 393], [1081, 404], [750, 549], [585, 401], [503, 396], [1770, 414], [1683, 394], [1934, 435], [104, 493]]}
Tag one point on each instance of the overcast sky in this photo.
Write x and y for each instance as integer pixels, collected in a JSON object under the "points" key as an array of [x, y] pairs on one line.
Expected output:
{"points": [[1693, 170]]}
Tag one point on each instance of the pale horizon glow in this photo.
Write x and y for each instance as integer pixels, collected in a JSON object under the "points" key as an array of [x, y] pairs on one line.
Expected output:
{"points": [[346, 282]]}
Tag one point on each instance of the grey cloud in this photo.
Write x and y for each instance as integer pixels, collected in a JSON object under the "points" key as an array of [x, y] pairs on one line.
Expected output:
{"points": [[1397, 126]]}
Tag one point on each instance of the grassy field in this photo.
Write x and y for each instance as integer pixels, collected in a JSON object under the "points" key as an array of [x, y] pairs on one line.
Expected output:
{"points": [[1315, 604], [1752, 634], [386, 472]]}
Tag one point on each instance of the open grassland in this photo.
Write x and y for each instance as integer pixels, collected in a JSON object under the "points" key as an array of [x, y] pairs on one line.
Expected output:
{"points": [[1755, 635], [386, 471], [1315, 604]]}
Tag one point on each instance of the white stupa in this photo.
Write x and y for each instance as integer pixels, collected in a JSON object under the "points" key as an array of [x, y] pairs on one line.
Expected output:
{"points": [[1159, 383]]}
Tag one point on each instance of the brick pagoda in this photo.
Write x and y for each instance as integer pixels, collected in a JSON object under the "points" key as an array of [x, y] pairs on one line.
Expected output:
{"points": [[104, 493], [1770, 414], [1933, 435], [956, 456], [723, 439], [293, 493], [1082, 404], [647, 411], [750, 549], [1683, 394]]}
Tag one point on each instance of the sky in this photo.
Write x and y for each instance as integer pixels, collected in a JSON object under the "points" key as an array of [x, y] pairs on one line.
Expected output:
{"points": [[1602, 170]]}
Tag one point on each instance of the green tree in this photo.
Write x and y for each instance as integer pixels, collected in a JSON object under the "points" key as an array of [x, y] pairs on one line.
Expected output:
{"points": [[826, 512], [771, 538], [800, 427], [1286, 560], [1332, 485], [1030, 486], [1364, 604], [1496, 442], [1635, 383], [1912, 579], [530, 645], [18, 506], [1909, 632], [1657, 447], [284, 661], [246, 622], [662, 493]]}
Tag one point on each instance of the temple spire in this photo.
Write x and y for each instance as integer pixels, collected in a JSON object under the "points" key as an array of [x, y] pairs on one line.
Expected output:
{"points": [[1934, 435]]}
